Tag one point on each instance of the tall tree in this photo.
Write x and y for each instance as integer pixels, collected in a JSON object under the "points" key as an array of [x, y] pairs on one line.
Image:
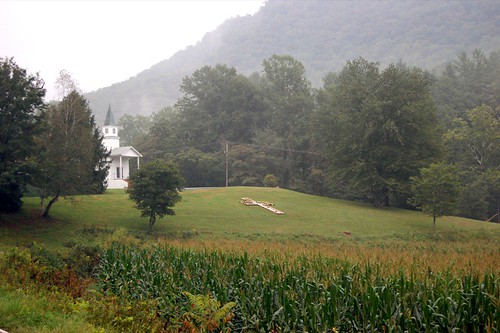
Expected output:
{"points": [[71, 156], [473, 145], [218, 104], [155, 189], [134, 129], [21, 95], [475, 139], [99, 157], [163, 136], [377, 129], [290, 106]]}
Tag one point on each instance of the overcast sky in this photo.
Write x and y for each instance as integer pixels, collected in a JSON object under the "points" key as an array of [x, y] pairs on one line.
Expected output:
{"points": [[105, 42]]}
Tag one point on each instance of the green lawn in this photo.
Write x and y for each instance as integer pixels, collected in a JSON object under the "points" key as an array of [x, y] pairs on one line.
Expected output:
{"points": [[217, 213]]}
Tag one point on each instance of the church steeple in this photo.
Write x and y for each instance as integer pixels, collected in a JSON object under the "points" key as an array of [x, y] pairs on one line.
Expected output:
{"points": [[110, 120], [110, 131]]}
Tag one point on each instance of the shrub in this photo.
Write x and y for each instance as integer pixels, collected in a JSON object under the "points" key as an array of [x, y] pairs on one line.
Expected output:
{"points": [[271, 180]]}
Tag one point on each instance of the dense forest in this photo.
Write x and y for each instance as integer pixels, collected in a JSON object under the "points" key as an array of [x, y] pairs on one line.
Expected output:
{"points": [[362, 136], [322, 35]]}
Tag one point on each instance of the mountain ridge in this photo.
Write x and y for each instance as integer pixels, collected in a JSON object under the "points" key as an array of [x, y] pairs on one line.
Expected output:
{"points": [[323, 35]]}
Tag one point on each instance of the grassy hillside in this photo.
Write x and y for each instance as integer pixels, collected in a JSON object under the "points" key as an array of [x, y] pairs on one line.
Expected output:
{"points": [[217, 214]]}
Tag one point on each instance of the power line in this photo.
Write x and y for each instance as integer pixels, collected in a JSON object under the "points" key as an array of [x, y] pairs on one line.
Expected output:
{"points": [[276, 148], [222, 144]]}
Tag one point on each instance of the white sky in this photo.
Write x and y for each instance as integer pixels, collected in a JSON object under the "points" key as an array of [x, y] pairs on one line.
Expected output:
{"points": [[105, 42]]}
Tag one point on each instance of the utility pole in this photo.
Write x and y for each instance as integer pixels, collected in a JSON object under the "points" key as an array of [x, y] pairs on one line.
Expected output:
{"points": [[227, 165]]}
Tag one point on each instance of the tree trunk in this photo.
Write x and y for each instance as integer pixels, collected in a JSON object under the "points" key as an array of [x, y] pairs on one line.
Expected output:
{"points": [[152, 219], [51, 202], [434, 224]]}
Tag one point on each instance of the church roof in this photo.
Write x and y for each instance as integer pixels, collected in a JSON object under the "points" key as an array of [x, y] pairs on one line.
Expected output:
{"points": [[125, 151], [110, 120]]}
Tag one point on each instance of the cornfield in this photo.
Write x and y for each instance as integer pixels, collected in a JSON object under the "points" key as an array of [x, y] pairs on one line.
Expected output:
{"points": [[279, 293]]}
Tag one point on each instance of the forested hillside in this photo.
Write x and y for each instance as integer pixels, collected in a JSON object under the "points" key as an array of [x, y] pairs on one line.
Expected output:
{"points": [[364, 135], [322, 35]]}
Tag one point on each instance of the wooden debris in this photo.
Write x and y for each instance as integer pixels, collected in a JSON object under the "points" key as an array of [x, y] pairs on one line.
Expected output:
{"points": [[263, 204]]}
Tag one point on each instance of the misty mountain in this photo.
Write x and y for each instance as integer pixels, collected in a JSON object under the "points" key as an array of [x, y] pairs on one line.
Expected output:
{"points": [[323, 35]]}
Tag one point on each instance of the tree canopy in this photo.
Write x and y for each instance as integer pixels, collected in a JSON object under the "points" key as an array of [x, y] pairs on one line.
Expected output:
{"points": [[218, 104], [436, 190], [155, 189], [377, 128], [21, 96], [71, 158], [362, 136]]}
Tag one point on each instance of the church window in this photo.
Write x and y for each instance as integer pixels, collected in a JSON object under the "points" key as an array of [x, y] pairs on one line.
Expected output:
{"points": [[106, 130], [114, 130], [118, 172]]}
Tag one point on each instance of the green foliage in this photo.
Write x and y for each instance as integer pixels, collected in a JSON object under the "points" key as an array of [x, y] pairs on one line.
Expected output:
{"points": [[474, 141], [154, 188], [218, 103], [247, 165], [473, 145], [71, 158], [122, 315], [377, 129], [35, 265], [133, 129], [24, 310], [271, 180], [206, 314], [98, 183], [162, 138], [201, 169], [480, 195], [10, 191], [436, 190], [467, 83], [290, 107], [21, 95]]}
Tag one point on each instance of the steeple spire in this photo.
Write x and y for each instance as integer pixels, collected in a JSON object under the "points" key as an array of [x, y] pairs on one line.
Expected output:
{"points": [[110, 131], [110, 120]]}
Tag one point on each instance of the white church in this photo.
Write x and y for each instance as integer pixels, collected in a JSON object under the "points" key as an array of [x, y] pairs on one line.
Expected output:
{"points": [[120, 157]]}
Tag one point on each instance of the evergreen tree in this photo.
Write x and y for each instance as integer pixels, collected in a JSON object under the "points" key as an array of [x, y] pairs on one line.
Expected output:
{"points": [[468, 82], [71, 158]]}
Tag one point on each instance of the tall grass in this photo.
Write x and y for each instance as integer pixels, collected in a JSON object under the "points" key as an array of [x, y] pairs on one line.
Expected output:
{"points": [[301, 293]]}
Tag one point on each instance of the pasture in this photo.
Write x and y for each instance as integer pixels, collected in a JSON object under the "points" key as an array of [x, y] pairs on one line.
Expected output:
{"points": [[208, 214]]}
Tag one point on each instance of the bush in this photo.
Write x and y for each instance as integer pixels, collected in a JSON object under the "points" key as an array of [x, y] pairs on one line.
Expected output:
{"points": [[271, 180]]}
